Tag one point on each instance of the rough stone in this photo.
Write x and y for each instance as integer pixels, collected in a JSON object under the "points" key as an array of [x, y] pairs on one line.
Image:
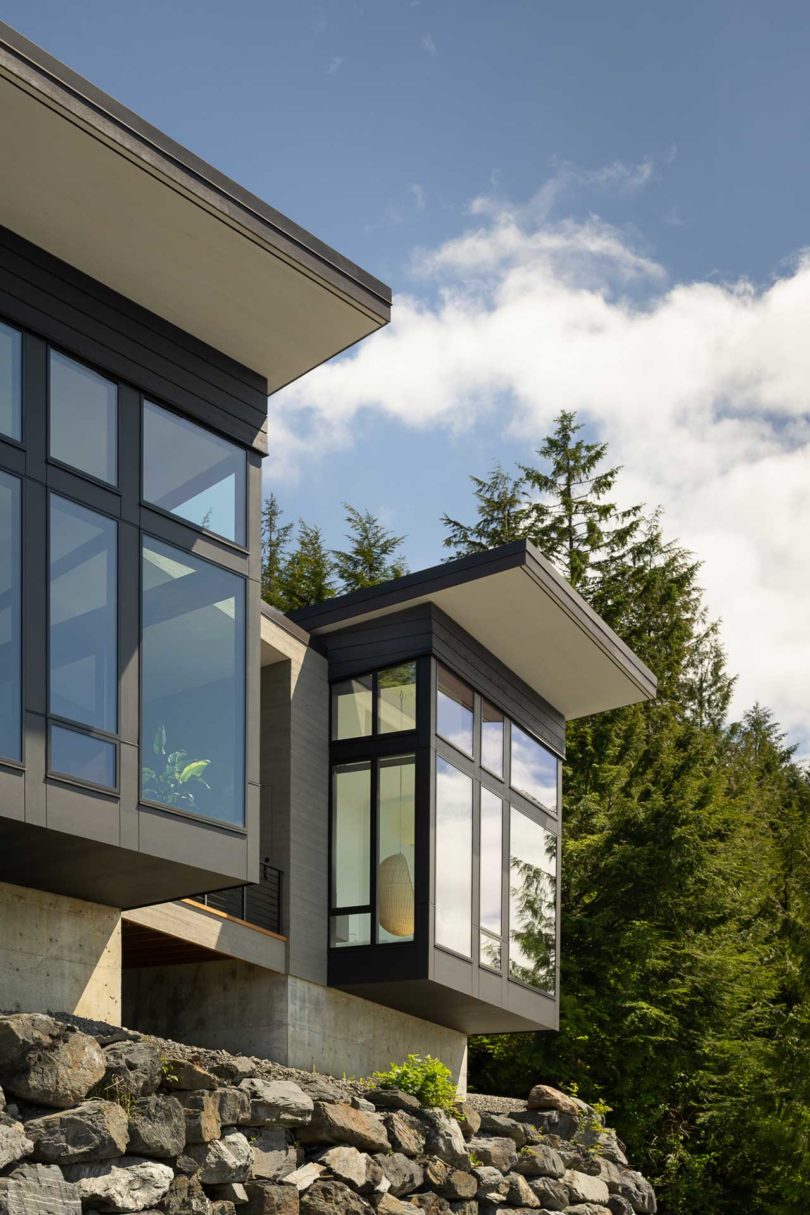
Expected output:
{"points": [[584, 1188], [233, 1106], [157, 1126], [618, 1205], [306, 1176], [458, 1185], [38, 1189], [321, 1088], [467, 1206], [492, 1185], [445, 1139], [537, 1160], [500, 1124], [544, 1097], [337, 1123], [332, 1198], [234, 1069], [94, 1130], [277, 1103], [15, 1144], [127, 1184], [432, 1204], [611, 1174], [588, 1208], [403, 1174], [552, 1194], [520, 1193], [387, 1204], [221, 1206], [274, 1156], [469, 1119], [407, 1134], [355, 1169], [498, 1152], [201, 1113], [185, 1196], [46, 1062], [639, 1193], [187, 1076], [580, 1160], [132, 1069], [392, 1099], [227, 1159], [230, 1191], [264, 1199]]}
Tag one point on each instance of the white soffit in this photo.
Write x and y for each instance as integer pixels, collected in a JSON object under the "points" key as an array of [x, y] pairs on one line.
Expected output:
{"points": [[112, 204]]}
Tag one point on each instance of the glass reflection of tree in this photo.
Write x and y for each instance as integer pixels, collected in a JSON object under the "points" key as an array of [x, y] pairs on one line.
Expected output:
{"points": [[532, 931], [490, 952]]}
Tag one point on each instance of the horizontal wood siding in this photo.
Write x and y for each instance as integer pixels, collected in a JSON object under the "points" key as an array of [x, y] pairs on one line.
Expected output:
{"points": [[47, 296]]}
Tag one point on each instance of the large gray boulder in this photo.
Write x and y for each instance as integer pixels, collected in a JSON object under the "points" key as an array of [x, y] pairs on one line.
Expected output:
{"points": [[537, 1160], [551, 1193], [619, 1206], [496, 1151], [127, 1184], [157, 1126], [15, 1143], [277, 1103], [506, 1128], [185, 1196], [431, 1204], [584, 1188], [333, 1198], [46, 1062], [468, 1118], [274, 1157], [269, 1199], [355, 1169], [201, 1112], [544, 1097], [638, 1192], [448, 1181], [402, 1174], [38, 1189], [186, 1075], [94, 1130], [227, 1159], [338, 1123], [444, 1139], [392, 1099], [133, 1069], [406, 1133], [492, 1185], [520, 1193], [233, 1106]]}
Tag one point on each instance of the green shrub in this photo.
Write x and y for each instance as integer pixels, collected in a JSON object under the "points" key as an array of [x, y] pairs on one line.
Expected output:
{"points": [[425, 1078]]}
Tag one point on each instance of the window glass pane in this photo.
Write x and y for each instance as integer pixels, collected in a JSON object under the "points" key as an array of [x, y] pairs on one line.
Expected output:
{"points": [[396, 825], [490, 951], [532, 902], [83, 423], [455, 711], [534, 769], [193, 473], [193, 684], [82, 756], [83, 632], [10, 616], [351, 708], [10, 382], [396, 698], [453, 858], [491, 861], [353, 929], [491, 738], [351, 836]]}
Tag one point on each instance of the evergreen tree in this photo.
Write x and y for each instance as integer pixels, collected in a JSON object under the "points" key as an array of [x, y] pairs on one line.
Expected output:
{"points": [[503, 515], [306, 573], [275, 539], [373, 555]]}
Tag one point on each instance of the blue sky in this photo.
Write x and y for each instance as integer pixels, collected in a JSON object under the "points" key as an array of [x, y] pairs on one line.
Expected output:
{"points": [[599, 206]]}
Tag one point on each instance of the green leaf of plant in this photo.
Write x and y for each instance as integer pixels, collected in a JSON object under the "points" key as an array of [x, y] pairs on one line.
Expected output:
{"points": [[194, 769], [159, 745]]}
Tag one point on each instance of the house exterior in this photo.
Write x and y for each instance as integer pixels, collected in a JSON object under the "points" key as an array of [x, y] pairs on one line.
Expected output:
{"points": [[326, 839]]}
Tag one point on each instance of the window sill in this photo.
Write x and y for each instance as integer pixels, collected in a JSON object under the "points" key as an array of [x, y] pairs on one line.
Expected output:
{"points": [[176, 812]]}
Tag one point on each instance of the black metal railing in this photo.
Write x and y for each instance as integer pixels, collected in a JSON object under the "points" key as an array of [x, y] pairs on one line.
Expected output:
{"points": [[259, 904]]}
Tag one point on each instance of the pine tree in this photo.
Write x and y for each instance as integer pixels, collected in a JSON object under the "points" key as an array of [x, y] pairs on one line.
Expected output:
{"points": [[503, 515], [275, 539], [373, 555], [306, 574]]}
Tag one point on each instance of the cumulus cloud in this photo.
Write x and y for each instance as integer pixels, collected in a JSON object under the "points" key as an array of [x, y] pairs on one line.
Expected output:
{"points": [[702, 390]]}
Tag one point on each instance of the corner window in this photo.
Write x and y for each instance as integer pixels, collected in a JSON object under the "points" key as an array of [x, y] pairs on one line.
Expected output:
{"points": [[192, 684], [492, 731], [10, 382], [83, 418], [454, 832], [82, 623], [454, 711], [534, 770], [491, 862], [396, 698], [532, 902], [352, 703], [382, 702], [10, 618], [194, 474], [395, 848]]}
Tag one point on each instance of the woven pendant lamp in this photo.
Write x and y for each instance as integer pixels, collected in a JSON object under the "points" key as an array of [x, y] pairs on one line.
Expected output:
{"points": [[396, 896]]}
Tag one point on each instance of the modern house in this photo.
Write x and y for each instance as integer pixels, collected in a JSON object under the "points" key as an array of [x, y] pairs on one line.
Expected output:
{"points": [[331, 839]]}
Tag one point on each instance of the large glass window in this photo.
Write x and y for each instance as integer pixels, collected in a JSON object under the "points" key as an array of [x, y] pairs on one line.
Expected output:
{"points": [[454, 830], [83, 418], [85, 757], [83, 633], [492, 738], [395, 849], [193, 473], [10, 382], [352, 707], [490, 880], [193, 684], [351, 836], [455, 711], [10, 619], [534, 769], [532, 902], [396, 698]]}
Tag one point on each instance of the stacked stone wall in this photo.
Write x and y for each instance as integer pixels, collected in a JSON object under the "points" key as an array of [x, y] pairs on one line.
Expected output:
{"points": [[99, 1120]]}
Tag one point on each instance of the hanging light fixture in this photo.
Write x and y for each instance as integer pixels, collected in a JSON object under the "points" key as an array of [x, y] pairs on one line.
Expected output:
{"points": [[395, 883]]}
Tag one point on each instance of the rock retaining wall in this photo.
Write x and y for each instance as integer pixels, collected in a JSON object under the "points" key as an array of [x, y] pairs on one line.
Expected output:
{"points": [[95, 1119]]}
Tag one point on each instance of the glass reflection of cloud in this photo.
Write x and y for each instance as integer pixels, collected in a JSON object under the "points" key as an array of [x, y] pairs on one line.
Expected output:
{"points": [[453, 858]]}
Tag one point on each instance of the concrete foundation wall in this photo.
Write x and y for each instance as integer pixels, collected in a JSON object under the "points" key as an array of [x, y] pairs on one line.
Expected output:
{"points": [[59, 954], [242, 1008]]}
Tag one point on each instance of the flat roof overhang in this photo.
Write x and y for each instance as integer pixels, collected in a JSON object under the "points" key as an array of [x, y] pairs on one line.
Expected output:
{"points": [[97, 186], [523, 611]]}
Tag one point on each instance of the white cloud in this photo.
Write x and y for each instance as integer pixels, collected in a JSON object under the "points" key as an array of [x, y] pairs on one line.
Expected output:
{"points": [[419, 195], [429, 44], [702, 390], [334, 65]]}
